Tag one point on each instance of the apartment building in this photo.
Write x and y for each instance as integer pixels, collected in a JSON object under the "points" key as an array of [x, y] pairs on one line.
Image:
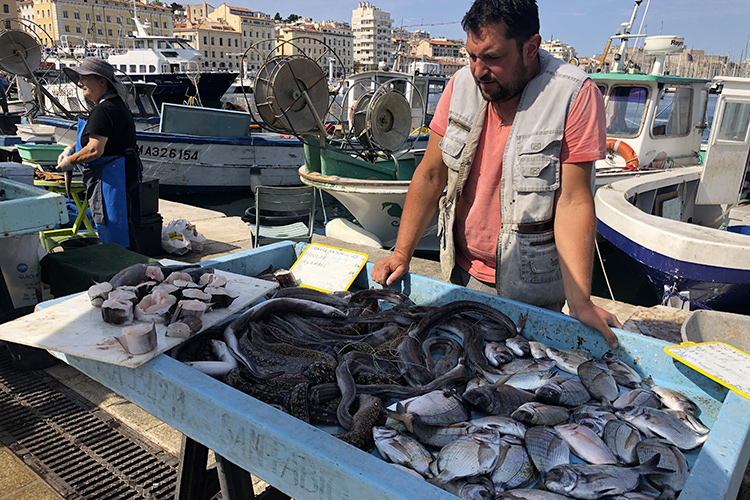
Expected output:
{"points": [[219, 43], [8, 12], [372, 29], [559, 50], [337, 37], [107, 22], [439, 48]]}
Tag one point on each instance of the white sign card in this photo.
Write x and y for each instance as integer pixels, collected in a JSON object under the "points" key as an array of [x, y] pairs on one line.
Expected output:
{"points": [[327, 268], [718, 361]]}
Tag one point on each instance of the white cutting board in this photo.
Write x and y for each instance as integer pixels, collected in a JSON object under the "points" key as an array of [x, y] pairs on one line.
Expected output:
{"points": [[75, 327]]}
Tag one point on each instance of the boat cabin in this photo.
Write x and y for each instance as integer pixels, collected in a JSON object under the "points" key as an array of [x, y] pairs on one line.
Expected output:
{"points": [[653, 121], [156, 55]]}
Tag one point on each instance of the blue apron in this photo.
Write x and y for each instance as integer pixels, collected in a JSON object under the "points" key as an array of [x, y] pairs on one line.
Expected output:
{"points": [[112, 220]]}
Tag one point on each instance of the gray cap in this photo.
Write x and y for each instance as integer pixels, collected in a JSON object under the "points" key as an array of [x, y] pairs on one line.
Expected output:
{"points": [[93, 66]]}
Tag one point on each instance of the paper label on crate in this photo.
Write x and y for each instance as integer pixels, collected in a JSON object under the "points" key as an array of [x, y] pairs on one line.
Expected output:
{"points": [[328, 269], [718, 361]]}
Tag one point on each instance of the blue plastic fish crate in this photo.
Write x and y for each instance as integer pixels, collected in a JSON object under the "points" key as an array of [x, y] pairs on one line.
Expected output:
{"points": [[308, 463]]}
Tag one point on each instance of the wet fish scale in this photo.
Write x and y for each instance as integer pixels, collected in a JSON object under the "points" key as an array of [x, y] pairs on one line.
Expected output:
{"points": [[598, 380], [467, 456], [546, 448]]}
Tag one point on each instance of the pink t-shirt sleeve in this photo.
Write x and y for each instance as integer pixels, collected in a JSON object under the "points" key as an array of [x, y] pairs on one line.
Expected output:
{"points": [[585, 134]]}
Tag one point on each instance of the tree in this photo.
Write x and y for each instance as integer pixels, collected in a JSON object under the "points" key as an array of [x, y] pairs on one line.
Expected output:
{"points": [[158, 3], [277, 17], [292, 18], [176, 6]]}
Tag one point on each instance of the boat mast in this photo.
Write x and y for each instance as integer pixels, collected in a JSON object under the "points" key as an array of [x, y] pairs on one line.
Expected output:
{"points": [[140, 30], [619, 64]]}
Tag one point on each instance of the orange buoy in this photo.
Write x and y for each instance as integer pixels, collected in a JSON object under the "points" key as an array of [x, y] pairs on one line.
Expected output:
{"points": [[622, 149]]}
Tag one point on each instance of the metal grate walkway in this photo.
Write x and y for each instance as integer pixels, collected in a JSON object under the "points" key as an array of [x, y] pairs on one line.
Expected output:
{"points": [[80, 450]]}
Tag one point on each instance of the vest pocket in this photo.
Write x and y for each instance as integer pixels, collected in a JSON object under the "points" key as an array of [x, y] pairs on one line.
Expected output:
{"points": [[538, 166], [539, 260]]}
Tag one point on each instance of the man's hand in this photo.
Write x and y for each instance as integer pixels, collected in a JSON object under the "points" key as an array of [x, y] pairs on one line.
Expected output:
{"points": [[64, 165], [596, 317], [389, 269]]}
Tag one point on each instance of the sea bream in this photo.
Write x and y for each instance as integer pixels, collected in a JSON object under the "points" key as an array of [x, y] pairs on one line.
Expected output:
{"points": [[546, 448], [467, 456], [514, 466], [660, 423], [585, 443], [402, 449]]}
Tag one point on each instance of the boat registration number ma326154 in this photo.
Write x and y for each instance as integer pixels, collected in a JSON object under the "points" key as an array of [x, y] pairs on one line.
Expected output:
{"points": [[168, 153]]}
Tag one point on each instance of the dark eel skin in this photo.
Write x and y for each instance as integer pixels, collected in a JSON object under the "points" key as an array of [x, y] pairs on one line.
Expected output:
{"points": [[369, 415]]}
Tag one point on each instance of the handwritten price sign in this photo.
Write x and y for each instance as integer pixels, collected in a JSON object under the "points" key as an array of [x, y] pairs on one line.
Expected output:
{"points": [[718, 361], [328, 269]]}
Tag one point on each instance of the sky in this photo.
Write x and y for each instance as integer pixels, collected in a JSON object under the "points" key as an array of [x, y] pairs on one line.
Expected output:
{"points": [[719, 27]]}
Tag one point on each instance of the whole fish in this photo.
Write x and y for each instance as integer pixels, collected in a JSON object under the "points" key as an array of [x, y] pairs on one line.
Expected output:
{"points": [[651, 421], [621, 371], [433, 408], [467, 456], [497, 399], [534, 413], [514, 466], [519, 345], [672, 399], [502, 425], [598, 380], [546, 448], [568, 360], [402, 449], [561, 390], [530, 381], [594, 416], [622, 438], [586, 444], [637, 397], [671, 458], [590, 482], [497, 354]]}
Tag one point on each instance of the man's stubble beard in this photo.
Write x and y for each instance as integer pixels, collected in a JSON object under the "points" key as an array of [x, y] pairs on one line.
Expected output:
{"points": [[507, 92]]}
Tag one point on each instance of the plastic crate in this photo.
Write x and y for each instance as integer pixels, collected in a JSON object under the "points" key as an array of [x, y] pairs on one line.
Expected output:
{"points": [[40, 152], [717, 326]]}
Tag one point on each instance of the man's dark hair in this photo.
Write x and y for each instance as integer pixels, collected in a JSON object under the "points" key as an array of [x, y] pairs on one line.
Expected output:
{"points": [[521, 17]]}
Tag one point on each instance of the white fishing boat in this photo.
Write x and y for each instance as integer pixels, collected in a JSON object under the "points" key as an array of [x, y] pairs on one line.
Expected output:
{"points": [[687, 229]]}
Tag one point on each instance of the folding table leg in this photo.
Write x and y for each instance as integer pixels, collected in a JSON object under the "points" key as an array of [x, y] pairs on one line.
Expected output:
{"points": [[236, 483]]}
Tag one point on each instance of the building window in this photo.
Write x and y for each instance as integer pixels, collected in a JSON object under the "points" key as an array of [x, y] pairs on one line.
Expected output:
{"points": [[100, 31], [119, 20], [99, 17], [165, 24], [213, 54], [67, 29], [78, 29], [235, 42], [129, 22], [205, 53], [109, 32], [221, 41], [65, 14], [88, 17], [205, 40], [109, 19], [212, 41]]}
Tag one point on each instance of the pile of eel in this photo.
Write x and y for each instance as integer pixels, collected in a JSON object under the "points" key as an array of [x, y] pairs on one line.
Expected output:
{"points": [[456, 395]]}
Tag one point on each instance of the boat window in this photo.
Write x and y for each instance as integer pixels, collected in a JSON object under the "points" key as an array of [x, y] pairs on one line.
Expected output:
{"points": [[673, 114], [163, 44], [147, 106], [151, 68], [150, 44], [602, 89], [625, 110], [139, 44], [734, 122], [132, 68], [141, 68]]}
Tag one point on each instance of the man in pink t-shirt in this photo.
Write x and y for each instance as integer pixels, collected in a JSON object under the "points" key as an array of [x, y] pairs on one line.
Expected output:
{"points": [[503, 46]]}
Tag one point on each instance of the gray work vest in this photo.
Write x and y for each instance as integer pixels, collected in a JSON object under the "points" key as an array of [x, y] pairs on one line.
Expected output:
{"points": [[527, 265]]}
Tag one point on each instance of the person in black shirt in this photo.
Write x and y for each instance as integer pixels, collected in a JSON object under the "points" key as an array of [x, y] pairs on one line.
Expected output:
{"points": [[106, 149]]}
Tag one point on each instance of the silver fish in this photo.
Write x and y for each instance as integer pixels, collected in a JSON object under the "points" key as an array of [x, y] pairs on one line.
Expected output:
{"points": [[527, 365], [590, 482], [561, 390], [402, 449], [467, 456], [433, 408], [598, 380], [538, 350], [497, 354], [672, 399], [637, 397], [622, 438], [568, 360], [502, 425], [530, 381], [594, 416], [534, 413], [440, 435], [621, 371], [656, 422], [514, 466], [497, 399], [546, 448], [519, 345], [585, 444], [690, 420], [670, 458]]}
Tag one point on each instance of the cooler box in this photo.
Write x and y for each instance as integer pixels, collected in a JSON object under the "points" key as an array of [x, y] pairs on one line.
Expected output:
{"points": [[148, 235]]}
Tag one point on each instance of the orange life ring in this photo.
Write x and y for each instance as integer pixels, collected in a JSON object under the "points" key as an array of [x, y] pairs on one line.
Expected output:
{"points": [[622, 149]]}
